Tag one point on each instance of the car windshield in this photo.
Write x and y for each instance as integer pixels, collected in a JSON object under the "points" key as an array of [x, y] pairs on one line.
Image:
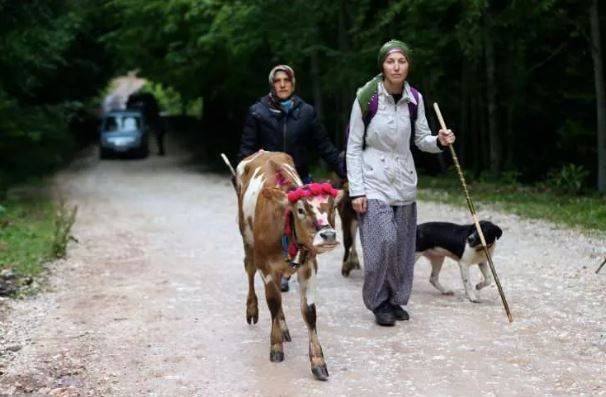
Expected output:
{"points": [[122, 123]]}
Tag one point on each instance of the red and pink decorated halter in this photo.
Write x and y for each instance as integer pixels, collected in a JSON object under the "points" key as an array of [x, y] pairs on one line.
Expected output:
{"points": [[289, 241], [313, 189]]}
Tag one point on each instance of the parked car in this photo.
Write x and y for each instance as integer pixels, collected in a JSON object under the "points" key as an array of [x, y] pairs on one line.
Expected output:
{"points": [[124, 132]]}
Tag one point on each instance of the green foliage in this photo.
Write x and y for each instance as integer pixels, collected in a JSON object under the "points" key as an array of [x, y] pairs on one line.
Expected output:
{"points": [[33, 231], [570, 179], [26, 234], [52, 63], [171, 102], [222, 50], [511, 178], [531, 201]]}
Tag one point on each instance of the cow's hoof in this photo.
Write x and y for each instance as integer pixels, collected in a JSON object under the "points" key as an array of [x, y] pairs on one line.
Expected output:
{"points": [[448, 292], [276, 356], [320, 372], [348, 267], [252, 318], [286, 336]]}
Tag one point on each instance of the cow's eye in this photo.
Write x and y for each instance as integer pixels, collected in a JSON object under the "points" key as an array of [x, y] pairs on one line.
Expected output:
{"points": [[301, 211]]}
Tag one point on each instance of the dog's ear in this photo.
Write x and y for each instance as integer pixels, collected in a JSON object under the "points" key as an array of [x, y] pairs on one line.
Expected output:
{"points": [[499, 232]]}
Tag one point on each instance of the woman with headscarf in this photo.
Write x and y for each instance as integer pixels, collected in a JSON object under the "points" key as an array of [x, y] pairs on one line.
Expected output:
{"points": [[387, 116], [282, 121]]}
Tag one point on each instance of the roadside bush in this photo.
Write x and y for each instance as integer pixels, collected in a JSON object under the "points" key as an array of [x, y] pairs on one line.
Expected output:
{"points": [[64, 220], [33, 140], [570, 179], [511, 178]]}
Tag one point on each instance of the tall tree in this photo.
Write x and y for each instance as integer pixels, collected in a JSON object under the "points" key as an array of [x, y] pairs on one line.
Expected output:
{"points": [[600, 92], [496, 150]]}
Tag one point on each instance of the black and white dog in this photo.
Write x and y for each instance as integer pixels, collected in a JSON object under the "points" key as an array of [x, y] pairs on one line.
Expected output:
{"points": [[438, 240]]}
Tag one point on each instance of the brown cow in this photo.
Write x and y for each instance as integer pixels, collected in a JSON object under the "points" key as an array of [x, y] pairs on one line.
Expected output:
{"points": [[272, 199], [349, 226]]}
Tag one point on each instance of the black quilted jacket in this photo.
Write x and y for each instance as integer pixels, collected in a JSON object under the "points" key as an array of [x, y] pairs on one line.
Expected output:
{"points": [[298, 133]]}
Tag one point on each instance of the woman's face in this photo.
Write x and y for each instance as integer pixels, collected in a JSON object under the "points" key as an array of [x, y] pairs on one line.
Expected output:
{"points": [[395, 68], [282, 85]]}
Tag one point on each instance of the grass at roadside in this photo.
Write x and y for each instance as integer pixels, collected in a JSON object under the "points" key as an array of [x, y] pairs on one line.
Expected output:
{"points": [[587, 212], [26, 234]]}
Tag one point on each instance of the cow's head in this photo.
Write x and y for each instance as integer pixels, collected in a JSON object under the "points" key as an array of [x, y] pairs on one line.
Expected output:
{"points": [[310, 209], [313, 210]]}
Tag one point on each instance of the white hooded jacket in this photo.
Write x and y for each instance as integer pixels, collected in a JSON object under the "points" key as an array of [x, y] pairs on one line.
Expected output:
{"points": [[385, 170]]}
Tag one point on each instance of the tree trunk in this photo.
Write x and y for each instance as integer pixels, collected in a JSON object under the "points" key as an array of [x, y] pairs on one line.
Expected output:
{"points": [[515, 76], [344, 100], [316, 84], [432, 121], [598, 69], [491, 91], [476, 122], [184, 105], [463, 132]]}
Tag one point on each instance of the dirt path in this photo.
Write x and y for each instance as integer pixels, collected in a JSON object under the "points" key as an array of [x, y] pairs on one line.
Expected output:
{"points": [[151, 302]]}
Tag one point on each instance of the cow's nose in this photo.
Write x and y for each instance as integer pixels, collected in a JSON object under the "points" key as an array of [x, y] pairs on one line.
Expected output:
{"points": [[328, 235]]}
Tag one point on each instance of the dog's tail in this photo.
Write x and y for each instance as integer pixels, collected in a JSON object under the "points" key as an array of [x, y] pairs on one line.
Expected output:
{"points": [[231, 169]]}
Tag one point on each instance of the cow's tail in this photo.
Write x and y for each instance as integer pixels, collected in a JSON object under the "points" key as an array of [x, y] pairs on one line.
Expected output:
{"points": [[231, 169]]}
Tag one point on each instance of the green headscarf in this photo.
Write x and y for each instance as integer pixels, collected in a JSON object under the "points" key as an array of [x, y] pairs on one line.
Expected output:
{"points": [[389, 47], [366, 92]]}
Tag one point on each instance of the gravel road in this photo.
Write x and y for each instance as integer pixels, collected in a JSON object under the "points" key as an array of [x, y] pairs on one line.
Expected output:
{"points": [[151, 302]]}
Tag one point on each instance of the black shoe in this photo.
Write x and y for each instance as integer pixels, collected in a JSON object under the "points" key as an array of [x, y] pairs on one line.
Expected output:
{"points": [[284, 284], [399, 313], [384, 315]]}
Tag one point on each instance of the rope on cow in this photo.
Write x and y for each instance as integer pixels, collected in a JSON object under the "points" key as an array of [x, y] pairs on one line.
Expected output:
{"points": [[293, 254]]}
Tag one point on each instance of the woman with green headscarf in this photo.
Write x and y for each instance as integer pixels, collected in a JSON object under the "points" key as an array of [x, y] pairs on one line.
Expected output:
{"points": [[387, 116]]}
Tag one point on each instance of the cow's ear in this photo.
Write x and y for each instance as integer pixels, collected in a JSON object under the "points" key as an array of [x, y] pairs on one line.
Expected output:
{"points": [[277, 168], [286, 173], [339, 197], [275, 195]]}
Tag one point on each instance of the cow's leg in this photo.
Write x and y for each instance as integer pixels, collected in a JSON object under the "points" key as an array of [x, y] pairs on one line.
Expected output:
{"points": [[349, 225], [487, 276], [252, 309], [434, 279], [306, 276], [283, 326], [274, 303], [282, 320]]}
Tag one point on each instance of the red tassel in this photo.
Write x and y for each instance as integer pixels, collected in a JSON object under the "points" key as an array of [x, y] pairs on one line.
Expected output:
{"points": [[292, 249], [315, 188]]}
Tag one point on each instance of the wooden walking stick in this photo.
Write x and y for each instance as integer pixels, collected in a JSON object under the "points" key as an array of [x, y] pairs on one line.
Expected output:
{"points": [[474, 215], [601, 266]]}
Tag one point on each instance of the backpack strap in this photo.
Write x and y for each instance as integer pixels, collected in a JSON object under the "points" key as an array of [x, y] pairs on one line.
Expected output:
{"points": [[368, 98], [413, 110], [373, 106]]}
